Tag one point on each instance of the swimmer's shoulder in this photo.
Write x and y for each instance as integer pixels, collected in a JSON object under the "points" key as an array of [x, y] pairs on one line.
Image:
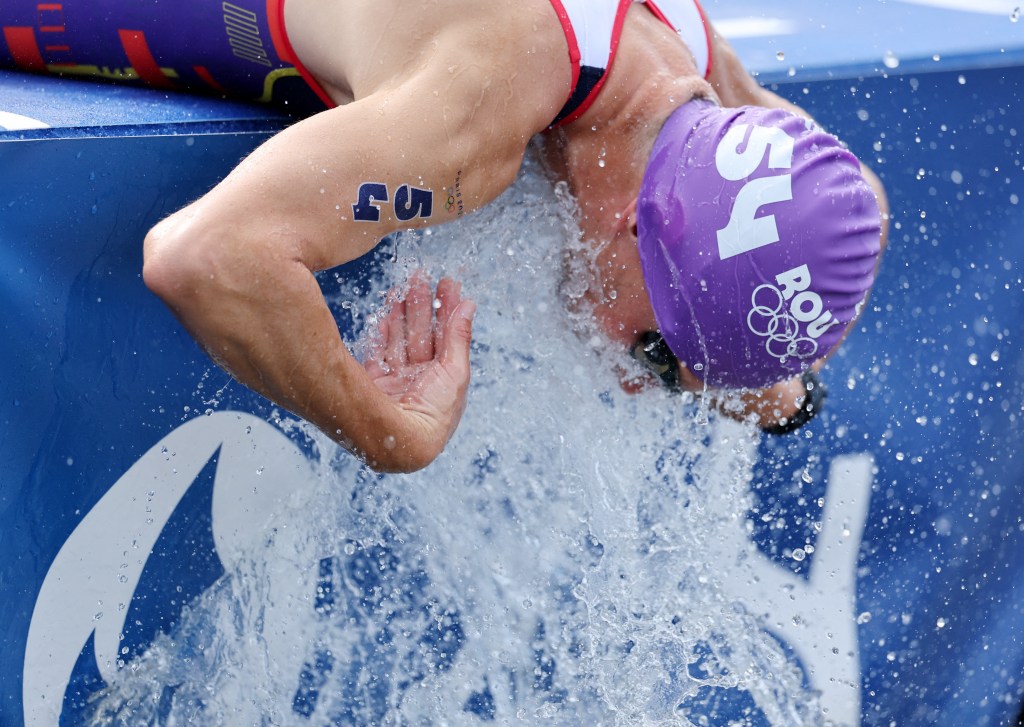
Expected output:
{"points": [[515, 47]]}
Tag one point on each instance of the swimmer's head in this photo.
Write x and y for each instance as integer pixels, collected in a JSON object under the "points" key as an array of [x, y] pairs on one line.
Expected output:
{"points": [[758, 239]]}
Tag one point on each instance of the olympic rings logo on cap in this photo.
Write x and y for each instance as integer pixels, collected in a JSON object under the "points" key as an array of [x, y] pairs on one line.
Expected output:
{"points": [[777, 324]]}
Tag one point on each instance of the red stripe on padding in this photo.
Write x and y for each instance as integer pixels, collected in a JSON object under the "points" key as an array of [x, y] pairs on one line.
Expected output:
{"points": [[209, 79], [54, 14], [24, 48], [142, 60]]}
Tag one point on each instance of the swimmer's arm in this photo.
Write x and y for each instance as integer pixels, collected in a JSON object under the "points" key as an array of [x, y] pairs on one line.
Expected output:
{"points": [[734, 84], [236, 267]]}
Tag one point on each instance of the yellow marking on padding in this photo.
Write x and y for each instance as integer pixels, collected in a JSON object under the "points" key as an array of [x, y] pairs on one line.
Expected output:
{"points": [[111, 74], [272, 78]]}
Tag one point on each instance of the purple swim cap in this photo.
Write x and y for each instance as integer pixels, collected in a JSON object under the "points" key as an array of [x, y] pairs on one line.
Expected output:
{"points": [[758, 239]]}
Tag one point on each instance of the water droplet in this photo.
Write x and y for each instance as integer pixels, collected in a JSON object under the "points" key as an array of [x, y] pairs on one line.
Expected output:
{"points": [[600, 163], [941, 622], [781, 55], [864, 617], [1015, 15], [799, 554], [890, 60]]}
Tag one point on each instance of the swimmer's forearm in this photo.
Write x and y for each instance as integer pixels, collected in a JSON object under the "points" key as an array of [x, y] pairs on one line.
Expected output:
{"points": [[734, 84], [271, 329]]}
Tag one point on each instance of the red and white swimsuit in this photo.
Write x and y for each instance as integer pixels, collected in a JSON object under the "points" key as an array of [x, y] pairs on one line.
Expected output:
{"points": [[593, 28]]}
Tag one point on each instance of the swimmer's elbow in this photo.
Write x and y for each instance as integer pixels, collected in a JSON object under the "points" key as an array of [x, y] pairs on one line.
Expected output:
{"points": [[183, 263], [166, 267]]}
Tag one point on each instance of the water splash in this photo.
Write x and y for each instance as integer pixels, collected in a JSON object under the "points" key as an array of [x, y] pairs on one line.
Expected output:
{"points": [[557, 565]]}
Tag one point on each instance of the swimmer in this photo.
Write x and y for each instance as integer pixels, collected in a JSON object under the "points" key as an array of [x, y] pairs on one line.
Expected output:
{"points": [[740, 239]]}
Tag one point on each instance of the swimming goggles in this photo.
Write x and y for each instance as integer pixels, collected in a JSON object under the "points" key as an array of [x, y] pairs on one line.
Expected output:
{"points": [[651, 352]]}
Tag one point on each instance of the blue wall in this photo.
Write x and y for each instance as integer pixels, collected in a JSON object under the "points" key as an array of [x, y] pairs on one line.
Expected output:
{"points": [[933, 385]]}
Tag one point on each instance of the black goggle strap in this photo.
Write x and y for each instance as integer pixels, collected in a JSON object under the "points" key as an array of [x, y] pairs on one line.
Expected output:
{"points": [[653, 353], [813, 403]]}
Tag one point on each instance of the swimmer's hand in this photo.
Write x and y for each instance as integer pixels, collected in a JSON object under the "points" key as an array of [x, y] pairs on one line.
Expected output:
{"points": [[420, 361]]}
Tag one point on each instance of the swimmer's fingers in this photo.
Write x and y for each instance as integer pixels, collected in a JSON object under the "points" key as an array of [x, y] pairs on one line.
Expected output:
{"points": [[395, 353], [455, 328], [449, 295], [377, 344], [419, 320]]}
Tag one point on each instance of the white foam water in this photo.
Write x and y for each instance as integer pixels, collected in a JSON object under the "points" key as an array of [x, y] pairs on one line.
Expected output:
{"points": [[558, 565]]}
